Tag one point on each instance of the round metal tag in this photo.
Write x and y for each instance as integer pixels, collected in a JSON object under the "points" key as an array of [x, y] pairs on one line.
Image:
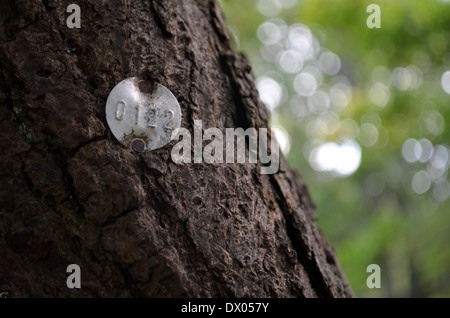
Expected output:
{"points": [[140, 116]]}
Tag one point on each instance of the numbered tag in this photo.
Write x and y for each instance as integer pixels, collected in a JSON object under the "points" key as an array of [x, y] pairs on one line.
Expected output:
{"points": [[140, 116]]}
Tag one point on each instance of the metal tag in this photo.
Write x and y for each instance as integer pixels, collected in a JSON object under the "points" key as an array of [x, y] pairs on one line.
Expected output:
{"points": [[140, 116]]}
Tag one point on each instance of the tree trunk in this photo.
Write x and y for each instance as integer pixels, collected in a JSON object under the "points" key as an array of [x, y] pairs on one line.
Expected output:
{"points": [[139, 224]]}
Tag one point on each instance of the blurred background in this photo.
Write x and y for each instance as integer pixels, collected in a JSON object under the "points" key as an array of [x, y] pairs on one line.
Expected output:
{"points": [[363, 116]]}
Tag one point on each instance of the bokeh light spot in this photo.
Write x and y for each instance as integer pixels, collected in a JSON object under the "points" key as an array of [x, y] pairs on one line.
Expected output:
{"points": [[379, 94], [421, 182], [329, 63], [342, 159], [445, 82], [305, 84], [270, 92]]}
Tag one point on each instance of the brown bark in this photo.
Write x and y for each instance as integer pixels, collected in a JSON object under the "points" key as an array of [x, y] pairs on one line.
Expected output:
{"points": [[138, 224]]}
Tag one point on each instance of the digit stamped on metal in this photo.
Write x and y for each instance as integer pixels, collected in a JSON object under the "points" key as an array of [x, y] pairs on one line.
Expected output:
{"points": [[141, 116]]}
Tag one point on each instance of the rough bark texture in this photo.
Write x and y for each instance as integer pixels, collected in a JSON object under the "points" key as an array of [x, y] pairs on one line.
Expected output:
{"points": [[140, 225]]}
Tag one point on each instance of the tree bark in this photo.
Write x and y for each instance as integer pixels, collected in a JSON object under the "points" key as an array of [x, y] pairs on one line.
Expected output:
{"points": [[139, 224]]}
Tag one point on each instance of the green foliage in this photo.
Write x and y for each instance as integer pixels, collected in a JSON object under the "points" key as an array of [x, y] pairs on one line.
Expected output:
{"points": [[394, 209]]}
